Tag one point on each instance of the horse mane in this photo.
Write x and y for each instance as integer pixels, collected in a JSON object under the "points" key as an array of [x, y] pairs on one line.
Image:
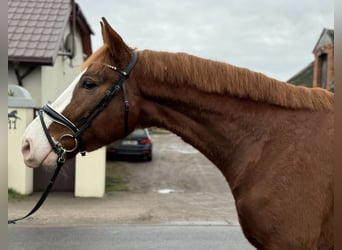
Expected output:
{"points": [[222, 78]]}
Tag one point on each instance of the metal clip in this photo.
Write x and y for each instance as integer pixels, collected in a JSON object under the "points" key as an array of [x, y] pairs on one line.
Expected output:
{"points": [[61, 156]]}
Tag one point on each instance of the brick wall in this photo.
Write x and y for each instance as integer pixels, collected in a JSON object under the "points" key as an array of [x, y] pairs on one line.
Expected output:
{"points": [[328, 50]]}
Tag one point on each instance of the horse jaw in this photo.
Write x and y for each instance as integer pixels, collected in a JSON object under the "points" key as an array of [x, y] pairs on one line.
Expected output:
{"points": [[35, 148]]}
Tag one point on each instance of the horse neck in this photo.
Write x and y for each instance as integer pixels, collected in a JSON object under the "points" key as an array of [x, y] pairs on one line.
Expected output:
{"points": [[218, 125]]}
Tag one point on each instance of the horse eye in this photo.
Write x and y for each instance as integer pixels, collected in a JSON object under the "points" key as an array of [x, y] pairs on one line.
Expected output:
{"points": [[88, 84]]}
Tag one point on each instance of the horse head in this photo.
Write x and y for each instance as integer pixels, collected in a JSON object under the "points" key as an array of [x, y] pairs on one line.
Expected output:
{"points": [[92, 111]]}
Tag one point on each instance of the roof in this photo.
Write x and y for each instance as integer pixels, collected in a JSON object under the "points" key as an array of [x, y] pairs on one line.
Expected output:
{"points": [[36, 29], [326, 37], [304, 77]]}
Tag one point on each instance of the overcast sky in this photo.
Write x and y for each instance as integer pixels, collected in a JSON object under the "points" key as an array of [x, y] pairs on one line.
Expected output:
{"points": [[272, 37]]}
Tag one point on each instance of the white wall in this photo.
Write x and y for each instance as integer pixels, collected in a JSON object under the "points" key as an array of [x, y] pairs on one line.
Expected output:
{"points": [[91, 174], [20, 177]]}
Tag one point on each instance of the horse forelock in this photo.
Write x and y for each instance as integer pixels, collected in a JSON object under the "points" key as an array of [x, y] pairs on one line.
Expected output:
{"points": [[99, 56], [103, 56], [217, 77]]}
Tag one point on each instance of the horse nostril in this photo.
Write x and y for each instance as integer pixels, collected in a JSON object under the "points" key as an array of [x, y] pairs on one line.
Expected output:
{"points": [[26, 148]]}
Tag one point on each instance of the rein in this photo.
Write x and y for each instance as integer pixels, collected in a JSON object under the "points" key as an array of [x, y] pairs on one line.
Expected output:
{"points": [[78, 130]]}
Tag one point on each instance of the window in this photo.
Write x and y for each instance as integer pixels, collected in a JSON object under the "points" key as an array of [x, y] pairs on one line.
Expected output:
{"points": [[323, 70]]}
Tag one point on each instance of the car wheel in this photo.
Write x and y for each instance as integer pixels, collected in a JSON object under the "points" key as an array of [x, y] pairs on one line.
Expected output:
{"points": [[148, 157]]}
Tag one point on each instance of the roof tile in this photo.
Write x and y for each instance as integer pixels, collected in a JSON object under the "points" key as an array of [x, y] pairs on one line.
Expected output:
{"points": [[26, 37], [20, 29], [11, 50], [14, 3], [35, 38], [22, 44], [41, 46], [40, 53], [13, 44], [15, 16], [20, 51], [16, 36], [31, 4], [32, 45], [47, 31], [28, 30], [29, 52]]}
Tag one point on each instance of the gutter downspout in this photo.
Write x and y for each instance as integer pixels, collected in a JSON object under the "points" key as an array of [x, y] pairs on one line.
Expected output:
{"points": [[73, 27], [70, 52]]}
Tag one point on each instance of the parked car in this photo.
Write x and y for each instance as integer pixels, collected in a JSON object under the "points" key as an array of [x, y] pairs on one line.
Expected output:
{"points": [[137, 144]]}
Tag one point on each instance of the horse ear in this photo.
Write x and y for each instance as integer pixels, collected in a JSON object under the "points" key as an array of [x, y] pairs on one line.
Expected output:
{"points": [[113, 40]]}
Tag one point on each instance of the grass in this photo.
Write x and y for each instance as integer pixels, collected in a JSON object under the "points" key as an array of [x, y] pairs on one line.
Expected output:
{"points": [[159, 131], [15, 196], [116, 176]]}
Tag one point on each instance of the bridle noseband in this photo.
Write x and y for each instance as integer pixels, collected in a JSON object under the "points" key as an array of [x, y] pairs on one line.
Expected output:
{"points": [[78, 129]]}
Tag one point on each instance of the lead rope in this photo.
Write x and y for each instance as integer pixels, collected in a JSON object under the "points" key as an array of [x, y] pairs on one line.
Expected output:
{"points": [[60, 163]]}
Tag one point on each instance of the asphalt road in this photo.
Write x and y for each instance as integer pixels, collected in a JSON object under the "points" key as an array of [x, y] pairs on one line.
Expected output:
{"points": [[130, 237]]}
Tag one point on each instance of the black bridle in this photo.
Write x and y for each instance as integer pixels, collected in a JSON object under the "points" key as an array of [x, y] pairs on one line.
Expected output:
{"points": [[84, 123], [78, 129]]}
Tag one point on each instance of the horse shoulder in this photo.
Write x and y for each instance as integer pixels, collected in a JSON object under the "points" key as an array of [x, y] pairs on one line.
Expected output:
{"points": [[287, 189]]}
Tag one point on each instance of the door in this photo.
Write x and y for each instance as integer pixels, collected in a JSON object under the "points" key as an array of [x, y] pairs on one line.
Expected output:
{"points": [[65, 182]]}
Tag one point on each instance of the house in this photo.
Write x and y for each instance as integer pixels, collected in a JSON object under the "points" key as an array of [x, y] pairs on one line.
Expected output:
{"points": [[320, 72], [47, 43]]}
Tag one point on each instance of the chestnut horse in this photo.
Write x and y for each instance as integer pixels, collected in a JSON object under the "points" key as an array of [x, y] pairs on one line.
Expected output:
{"points": [[272, 141]]}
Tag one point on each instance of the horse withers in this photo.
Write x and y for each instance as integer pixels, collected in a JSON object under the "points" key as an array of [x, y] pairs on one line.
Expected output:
{"points": [[272, 141]]}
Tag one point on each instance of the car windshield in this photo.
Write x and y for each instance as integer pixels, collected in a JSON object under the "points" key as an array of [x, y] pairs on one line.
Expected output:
{"points": [[137, 133]]}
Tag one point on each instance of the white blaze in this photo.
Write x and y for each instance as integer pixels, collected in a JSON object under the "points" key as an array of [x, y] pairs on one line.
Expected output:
{"points": [[35, 146], [64, 99]]}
